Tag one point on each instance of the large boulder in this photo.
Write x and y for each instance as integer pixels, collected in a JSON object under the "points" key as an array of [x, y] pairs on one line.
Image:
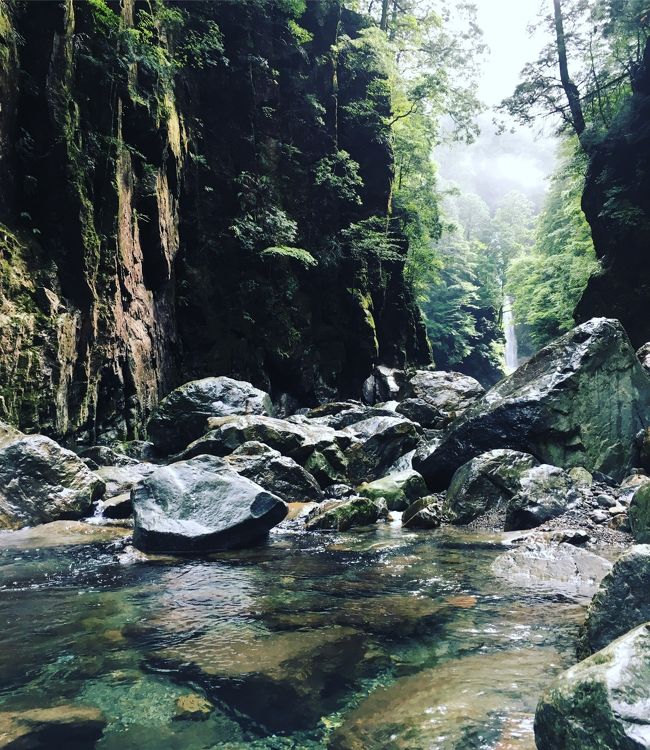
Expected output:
{"points": [[485, 484], [399, 490], [435, 399], [622, 601], [639, 514], [341, 515], [274, 472], [602, 702], [578, 402], [181, 417], [199, 506], [376, 443], [121, 479], [545, 493], [40, 482]]}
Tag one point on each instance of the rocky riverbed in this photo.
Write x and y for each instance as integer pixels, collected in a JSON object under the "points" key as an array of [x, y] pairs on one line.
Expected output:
{"points": [[411, 570]]}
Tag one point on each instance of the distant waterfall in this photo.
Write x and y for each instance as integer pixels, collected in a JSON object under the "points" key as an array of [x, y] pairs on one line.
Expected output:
{"points": [[512, 358]]}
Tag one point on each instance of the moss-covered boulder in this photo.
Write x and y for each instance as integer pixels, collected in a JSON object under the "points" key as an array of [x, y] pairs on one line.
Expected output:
{"points": [[602, 702], [425, 513], [399, 490], [639, 514], [580, 401], [622, 601], [341, 515]]}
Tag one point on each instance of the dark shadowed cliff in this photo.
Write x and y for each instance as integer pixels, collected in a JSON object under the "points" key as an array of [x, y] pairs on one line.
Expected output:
{"points": [[190, 189]]}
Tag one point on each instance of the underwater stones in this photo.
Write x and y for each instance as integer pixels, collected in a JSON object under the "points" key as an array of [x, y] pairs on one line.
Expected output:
{"points": [[601, 703], [193, 707], [580, 401], [622, 601], [486, 483], [181, 417], [61, 534], [198, 506], [399, 490], [425, 513], [341, 515], [448, 394], [639, 514], [40, 481], [553, 568], [282, 681], [66, 725]]}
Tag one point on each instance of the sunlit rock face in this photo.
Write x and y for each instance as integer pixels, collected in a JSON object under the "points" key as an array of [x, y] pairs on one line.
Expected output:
{"points": [[616, 202], [580, 401]]}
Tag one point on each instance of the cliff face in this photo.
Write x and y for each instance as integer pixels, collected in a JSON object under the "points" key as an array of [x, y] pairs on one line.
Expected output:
{"points": [[616, 202], [180, 197]]}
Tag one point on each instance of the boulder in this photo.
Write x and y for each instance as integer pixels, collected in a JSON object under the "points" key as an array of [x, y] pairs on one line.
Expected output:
{"points": [[643, 355], [376, 443], [622, 601], [447, 395], [341, 515], [121, 479], [181, 417], [102, 455], [639, 514], [602, 702], [274, 472], [581, 477], [425, 513], [580, 401], [545, 493], [199, 506], [40, 482], [552, 568], [351, 413], [117, 506], [67, 725], [384, 384], [398, 490], [485, 484]]}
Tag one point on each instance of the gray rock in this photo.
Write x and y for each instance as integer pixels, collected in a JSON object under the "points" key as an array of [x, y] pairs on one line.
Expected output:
{"points": [[553, 568], [40, 482], [118, 506], [341, 515], [578, 402], [102, 455], [198, 506], [425, 513], [545, 493], [602, 702], [622, 601], [352, 414], [639, 514], [581, 477], [486, 484], [339, 491], [643, 355], [447, 395], [384, 384], [398, 490], [121, 479], [605, 501], [182, 416]]}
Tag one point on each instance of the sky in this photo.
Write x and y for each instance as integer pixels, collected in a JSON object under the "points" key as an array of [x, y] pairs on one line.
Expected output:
{"points": [[522, 161]]}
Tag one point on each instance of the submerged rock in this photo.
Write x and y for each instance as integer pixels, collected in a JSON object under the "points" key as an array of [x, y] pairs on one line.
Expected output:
{"points": [[578, 402], [399, 490], [622, 601], [341, 515], [40, 482], [198, 506], [182, 416], [602, 702], [67, 725], [61, 534]]}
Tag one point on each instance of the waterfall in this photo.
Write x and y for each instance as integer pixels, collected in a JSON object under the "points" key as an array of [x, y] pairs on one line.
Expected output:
{"points": [[512, 358]]}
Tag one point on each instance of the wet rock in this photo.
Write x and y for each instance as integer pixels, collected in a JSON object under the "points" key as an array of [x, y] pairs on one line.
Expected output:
{"points": [[557, 568], [278, 474], [68, 725], [282, 681], [193, 707], [398, 490], [643, 355], [486, 483], [352, 414], [376, 443], [578, 402], [447, 395], [545, 493], [581, 477], [61, 534], [602, 702], [605, 501], [622, 601], [341, 515], [102, 455], [117, 506], [639, 514], [339, 492], [425, 513], [198, 506], [121, 479], [40, 481], [182, 416], [383, 385]]}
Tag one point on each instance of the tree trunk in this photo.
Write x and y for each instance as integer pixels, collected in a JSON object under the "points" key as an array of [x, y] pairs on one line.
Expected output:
{"points": [[570, 89], [383, 23]]}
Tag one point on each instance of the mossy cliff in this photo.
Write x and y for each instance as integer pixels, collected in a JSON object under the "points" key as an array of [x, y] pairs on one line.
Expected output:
{"points": [[190, 189]]}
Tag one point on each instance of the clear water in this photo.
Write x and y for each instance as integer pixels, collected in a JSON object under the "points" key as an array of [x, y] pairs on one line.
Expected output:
{"points": [[374, 639]]}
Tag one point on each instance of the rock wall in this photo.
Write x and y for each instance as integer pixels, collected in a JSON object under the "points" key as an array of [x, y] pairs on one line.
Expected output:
{"points": [[150, 153], [616, 202]]}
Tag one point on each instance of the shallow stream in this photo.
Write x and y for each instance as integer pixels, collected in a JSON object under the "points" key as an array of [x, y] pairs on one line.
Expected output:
{"points": [[373, 639]]}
